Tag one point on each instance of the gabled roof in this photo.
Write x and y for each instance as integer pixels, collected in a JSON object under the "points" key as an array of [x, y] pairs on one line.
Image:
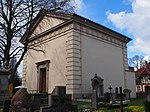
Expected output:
{"points": [[144, 70], [38, 19], [73, 18]]}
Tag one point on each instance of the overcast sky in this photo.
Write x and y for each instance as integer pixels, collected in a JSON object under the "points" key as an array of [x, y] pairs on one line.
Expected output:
{"points": [[129, 17]]}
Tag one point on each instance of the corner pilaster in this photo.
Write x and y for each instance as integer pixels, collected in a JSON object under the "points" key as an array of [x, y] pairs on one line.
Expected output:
{"points": [[73, 50], [24, 70]]}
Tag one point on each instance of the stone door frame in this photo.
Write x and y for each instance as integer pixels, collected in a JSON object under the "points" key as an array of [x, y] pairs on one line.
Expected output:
{"points": [[41, 65]]}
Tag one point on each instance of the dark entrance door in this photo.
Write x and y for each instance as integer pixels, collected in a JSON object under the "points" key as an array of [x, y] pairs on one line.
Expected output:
{"points": [[42, 81]]}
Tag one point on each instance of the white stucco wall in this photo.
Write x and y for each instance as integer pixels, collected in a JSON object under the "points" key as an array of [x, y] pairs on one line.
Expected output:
{"points": [[55, 51], [131, 83], [104, 59]]}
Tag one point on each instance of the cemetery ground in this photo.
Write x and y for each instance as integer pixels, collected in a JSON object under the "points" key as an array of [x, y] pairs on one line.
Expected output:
{"points": [[135, 105]]}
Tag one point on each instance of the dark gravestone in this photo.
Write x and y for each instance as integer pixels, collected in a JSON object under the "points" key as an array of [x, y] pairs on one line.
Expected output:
{"points": [[116, 92], [48, 109], [97, 84], [6, 106], [127, 93], [59, 90], [4, 93], [44, 98], [113, 97], [59, 101], [147, 91], [107, 97], [59, 96], [147, 100], [36, 103]]}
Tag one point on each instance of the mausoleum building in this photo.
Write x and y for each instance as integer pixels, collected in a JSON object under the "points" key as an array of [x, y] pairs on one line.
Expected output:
{"points": [[67, 50]]}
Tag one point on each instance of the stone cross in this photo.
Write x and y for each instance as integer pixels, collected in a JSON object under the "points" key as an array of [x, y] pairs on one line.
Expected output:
{"points": [[111, 95], [110, 88]]}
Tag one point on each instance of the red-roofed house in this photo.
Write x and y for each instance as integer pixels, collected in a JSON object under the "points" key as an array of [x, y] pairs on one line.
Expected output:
{"points": [[142, 78]]}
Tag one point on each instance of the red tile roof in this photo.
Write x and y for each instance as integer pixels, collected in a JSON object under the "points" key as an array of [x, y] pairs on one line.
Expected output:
{"points": [[144, 70]]}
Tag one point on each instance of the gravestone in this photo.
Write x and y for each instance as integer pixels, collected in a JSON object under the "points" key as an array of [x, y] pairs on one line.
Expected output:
{"points": [[107, 97], [116, 92], [97, 84], [4, 93], [21, 100], [59, 101], [44, 98], [48, 109], [127, 93], [36, 103], [147, 91], [147, 100], [6, 106], [94, 99], [112, 97]]}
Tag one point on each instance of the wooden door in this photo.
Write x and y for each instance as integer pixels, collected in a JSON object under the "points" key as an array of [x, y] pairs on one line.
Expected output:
{"points": [[42, 80]]}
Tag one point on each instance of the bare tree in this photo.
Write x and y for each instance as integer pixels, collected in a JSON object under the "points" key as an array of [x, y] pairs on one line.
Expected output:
{"points": [[16, 18], [137, 61]]}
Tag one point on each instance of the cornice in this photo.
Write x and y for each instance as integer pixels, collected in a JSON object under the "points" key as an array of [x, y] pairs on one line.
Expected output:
{"points": [[93, 25]]}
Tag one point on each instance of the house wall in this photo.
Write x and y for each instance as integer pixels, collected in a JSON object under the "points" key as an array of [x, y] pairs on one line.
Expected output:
{"points": [[105, 60], [55, 52], [131, 82], [102, 54], [49, 47]]}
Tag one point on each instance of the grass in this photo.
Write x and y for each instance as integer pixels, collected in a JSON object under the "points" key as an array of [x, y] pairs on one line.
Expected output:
{"points": [[135, 102], [135, 105]]}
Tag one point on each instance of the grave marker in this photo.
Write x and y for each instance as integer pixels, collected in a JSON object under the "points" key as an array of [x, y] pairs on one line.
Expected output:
{"points": [[36, 103], [94, 99], [6, 106], [112, 96], [110, 88], [127, 93], [59, 101], [147, 90], [121, 95]]}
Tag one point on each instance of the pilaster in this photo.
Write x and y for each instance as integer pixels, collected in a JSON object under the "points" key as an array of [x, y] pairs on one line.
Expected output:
{"points": [[73, 50], [24, 70]]}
